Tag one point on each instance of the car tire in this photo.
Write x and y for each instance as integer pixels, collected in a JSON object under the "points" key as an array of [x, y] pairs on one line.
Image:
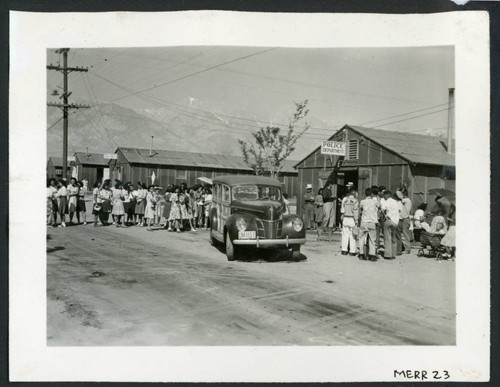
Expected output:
{"points": [[295, 252], [213, 241], [230, 249]]}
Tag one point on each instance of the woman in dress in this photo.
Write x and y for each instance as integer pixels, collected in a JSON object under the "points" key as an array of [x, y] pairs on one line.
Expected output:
{"points": [[207, 206], [129, 204], [73, 190], [175, 211], [318, 209], [62, 201], [200, 197], [167, 207], [186, 214], [96, 202], [106, 197], [51, 202], [118, 209], [150, 210], [449, 241], [81, 208], [141, 203], [50, 195], [159, 206], [192, 208]]}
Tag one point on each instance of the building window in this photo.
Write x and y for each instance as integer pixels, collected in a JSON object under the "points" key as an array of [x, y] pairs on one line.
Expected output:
{"points": [[448, 173], [181, 174], [353, 150]]}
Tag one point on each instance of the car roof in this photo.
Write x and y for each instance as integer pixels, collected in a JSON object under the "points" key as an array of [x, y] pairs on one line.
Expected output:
{"points": [[246, 179]]}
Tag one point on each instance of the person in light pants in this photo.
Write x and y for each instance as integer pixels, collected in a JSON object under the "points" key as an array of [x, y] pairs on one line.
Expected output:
{"points": [[391, 211], [368, 225], [350, 216]]}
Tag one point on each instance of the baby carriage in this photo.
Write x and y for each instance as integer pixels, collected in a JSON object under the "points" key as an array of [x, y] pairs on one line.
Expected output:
{"points": [[430, 240], [431, 245]]}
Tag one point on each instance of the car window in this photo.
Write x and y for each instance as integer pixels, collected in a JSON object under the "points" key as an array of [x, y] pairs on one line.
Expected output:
{"points": [[216, 191], [247, 192], [256, 192], [225, 193]]}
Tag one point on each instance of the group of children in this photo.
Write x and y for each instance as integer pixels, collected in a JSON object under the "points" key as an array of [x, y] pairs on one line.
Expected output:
{"points": [[178, 207]]}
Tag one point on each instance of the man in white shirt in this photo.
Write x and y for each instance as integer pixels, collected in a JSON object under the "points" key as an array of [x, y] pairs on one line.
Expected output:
{"points": [[404, 224], [381, 216], [369, 218], [390, 209], [350, 216]]}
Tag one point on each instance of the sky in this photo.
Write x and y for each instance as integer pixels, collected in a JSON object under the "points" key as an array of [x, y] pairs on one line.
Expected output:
{"points": [[399, 89]]}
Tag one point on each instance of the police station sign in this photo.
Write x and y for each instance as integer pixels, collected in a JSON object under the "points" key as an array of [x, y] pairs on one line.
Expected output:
{"points": [[333, 148]]}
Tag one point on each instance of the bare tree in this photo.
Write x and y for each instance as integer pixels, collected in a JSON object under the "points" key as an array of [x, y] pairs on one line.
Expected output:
{"points": [[267, 152]]}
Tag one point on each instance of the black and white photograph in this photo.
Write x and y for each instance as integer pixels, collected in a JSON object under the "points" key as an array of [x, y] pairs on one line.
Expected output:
{"points": [[328, 175], [253, 196]]}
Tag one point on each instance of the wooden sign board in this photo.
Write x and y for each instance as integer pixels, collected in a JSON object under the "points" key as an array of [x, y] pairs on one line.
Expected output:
{"points": [[333, 148]]}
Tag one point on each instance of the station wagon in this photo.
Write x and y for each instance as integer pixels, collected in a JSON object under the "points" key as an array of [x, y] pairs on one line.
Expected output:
{"points": [[249, 211]]}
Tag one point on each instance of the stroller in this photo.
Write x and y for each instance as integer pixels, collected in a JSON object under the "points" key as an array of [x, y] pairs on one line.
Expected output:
{"points": [[430, 240], [431, 246]]}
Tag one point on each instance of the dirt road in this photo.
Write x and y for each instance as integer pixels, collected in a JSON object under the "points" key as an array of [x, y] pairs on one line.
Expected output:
{"points": [[126, 286]]}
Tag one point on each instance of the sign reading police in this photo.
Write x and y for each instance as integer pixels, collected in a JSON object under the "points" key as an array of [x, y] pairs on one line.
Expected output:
{"points": [[333, 148]]}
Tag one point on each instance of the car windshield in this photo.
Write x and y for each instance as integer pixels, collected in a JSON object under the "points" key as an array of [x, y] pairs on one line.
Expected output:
{"points": [[256, 192]]}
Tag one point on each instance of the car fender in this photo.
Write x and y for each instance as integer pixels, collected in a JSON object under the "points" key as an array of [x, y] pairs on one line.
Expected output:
{"points": [[288, 229]]}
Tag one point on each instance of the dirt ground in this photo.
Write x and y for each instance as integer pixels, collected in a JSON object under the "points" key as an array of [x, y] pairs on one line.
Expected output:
{"points": [[109, 286]]}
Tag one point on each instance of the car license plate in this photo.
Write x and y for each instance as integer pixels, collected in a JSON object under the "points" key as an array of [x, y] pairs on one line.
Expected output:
{"points": [[246, 235]]}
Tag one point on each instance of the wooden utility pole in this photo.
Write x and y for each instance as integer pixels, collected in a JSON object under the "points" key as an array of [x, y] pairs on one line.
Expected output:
{"points": [[65, 106]]}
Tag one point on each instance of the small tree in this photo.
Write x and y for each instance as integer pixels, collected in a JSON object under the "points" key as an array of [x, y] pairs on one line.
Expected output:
{"points": [[267, 153]]}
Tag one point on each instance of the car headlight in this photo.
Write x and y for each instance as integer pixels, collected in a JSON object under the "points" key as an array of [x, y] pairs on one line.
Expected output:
{"points": [[297, 224], [241, 224]]}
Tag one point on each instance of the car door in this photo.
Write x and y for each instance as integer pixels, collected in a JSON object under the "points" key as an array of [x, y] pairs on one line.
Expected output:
{"points": [[225, 201]]}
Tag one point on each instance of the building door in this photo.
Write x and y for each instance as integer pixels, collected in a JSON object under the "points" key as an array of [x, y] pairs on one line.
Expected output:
{"points": [[364, 180], [99, 174]]}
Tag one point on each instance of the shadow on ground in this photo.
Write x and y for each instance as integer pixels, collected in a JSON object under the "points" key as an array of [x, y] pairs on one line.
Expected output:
{"points": [[250, 254]]}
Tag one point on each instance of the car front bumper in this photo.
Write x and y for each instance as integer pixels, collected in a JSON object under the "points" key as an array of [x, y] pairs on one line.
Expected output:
{"points": [[287, 242]]}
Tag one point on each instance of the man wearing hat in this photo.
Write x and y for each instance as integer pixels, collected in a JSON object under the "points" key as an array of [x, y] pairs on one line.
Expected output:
{"points": [[309, 207]]}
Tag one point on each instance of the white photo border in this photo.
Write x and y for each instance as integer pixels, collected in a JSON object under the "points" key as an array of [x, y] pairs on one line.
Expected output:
{"points": [[31, 34]]}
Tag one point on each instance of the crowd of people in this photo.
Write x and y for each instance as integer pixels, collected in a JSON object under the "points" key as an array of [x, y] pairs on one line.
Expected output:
{"points": [[174, 208], [381, 221]]}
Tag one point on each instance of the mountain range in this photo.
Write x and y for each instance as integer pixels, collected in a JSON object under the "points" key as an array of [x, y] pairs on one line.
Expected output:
{"points": [[105, 126]]}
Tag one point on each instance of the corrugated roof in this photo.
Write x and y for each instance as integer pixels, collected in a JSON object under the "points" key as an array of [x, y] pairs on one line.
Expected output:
{"points": [[415, 148], [190, 159], [91, 158], [56, 161]]}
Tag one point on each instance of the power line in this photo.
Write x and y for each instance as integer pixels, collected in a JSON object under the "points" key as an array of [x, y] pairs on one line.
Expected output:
{"points": [[403, 114], [55, 123], [411, 118], [201, 71], [65, 106], [212, 119]]}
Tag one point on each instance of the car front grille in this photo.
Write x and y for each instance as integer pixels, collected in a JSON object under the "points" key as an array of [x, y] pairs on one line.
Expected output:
{"points": [[270, 229]]}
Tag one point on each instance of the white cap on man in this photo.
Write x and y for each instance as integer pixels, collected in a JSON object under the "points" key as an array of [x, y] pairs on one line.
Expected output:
{"points": [[309, 186], [350, 184]]}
